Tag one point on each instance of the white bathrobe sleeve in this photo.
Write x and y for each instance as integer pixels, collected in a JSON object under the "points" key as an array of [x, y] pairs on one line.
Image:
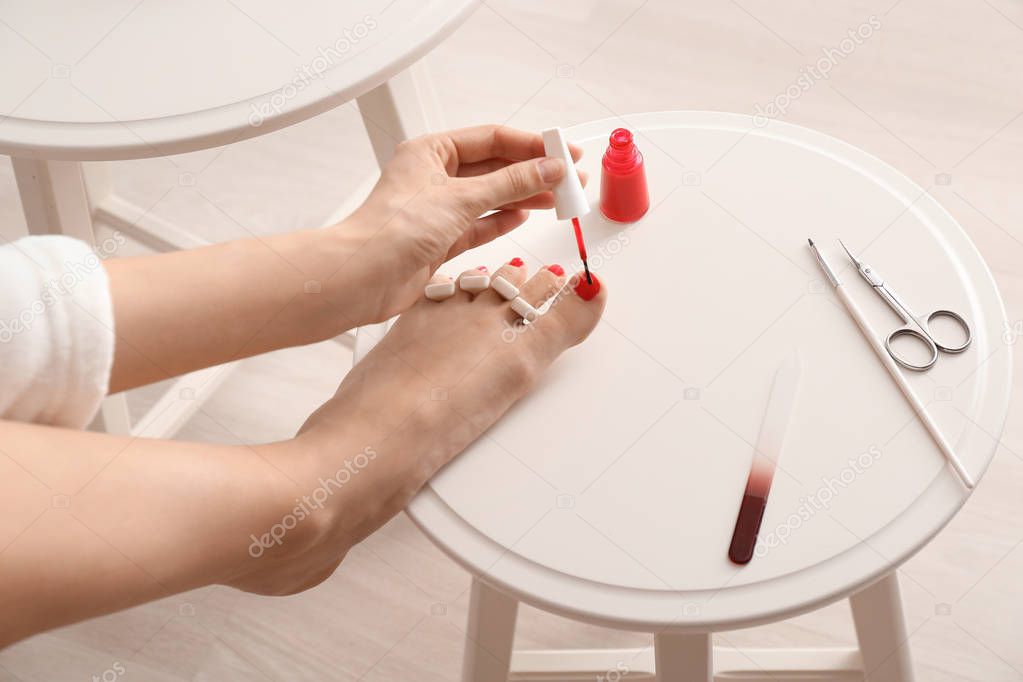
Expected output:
{"points": [[56, 331]]}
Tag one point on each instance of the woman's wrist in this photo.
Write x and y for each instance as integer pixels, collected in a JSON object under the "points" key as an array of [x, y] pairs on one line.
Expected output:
{"points": [[365, 284], [338, 279]]}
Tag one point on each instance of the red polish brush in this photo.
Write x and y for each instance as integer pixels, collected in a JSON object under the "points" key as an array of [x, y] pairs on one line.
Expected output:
{"points": [[569, 198], [582, 248]]}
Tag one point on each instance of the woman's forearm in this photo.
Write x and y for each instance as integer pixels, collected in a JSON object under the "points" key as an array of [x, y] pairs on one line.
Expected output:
{"points": [[182, 311], [96, 523]]}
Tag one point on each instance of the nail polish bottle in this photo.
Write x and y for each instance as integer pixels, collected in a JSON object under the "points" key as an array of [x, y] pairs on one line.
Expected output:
{"points": [[624, 197]]}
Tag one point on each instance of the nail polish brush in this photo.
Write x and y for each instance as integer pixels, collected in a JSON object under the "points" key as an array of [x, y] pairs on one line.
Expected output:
{"points": [[569, 198]]}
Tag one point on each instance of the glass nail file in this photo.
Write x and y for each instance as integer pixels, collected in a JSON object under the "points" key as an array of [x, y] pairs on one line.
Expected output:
{"points": [[765, 458]]}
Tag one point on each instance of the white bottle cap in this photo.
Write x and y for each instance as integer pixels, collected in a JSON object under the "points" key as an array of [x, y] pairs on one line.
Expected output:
{"points": [[569, 197]]}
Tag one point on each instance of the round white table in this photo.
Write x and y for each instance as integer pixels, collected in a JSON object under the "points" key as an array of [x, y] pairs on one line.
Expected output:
{"points": [[131, 79], [619, 508], [137, 79]]}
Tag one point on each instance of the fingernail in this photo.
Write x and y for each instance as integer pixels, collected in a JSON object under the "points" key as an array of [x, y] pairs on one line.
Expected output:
{"points": [[516, 262], [556, 269], [482, 268], [551, 169], [584, 289]]}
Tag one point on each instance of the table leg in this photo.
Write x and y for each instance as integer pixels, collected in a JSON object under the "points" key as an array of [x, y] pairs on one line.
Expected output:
{"points": [[684, 658], [54, 197], [393, 112], [881, 631], [489, 635], [57, 197]]}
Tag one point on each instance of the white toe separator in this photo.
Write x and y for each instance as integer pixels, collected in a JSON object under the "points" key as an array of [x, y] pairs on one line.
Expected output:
{"points": [[522, 308], [506, 289], [474, 283], [439, 291]]}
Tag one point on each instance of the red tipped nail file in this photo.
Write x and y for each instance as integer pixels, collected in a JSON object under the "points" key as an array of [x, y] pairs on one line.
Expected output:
{"points": [[765, 459]]}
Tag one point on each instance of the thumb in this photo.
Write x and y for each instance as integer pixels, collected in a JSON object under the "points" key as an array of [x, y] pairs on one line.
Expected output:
{"points": [[517, 181]]}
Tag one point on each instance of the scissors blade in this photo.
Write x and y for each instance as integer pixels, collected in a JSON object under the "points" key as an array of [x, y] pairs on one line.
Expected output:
{"points": [[868, 273], [853, 258]]}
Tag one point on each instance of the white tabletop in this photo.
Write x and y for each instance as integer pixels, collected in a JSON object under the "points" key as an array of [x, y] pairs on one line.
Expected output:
{"points": [[610, 492], [130, 79]]}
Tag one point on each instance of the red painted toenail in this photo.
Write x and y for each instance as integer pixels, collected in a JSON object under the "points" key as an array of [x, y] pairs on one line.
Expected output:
{"points": [[517, 262], [556, 269], [482, 268], [585, 290]]}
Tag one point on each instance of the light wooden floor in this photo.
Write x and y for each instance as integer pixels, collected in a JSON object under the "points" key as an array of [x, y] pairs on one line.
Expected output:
{"points": [[936, 91]]}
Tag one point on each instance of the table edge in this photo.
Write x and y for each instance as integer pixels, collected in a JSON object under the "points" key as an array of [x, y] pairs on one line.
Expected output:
{"points": [[208, 128]]}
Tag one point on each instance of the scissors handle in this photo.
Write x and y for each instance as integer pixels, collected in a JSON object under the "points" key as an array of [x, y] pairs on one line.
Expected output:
{"points": [[910, 330], [919, 329], [960, 322]]}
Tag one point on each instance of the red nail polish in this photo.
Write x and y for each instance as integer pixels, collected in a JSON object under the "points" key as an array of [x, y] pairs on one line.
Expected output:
{"points": [[556, 269], [624, 196], [482, 268], [585, 290], [517, 262]]}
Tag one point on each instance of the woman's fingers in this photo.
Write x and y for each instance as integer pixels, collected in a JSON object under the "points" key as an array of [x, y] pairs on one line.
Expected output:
{"points": [[471, 170], [542, 200], [504, 170], [487, 229], [506, 167], [537, 202], [514, 182], [481, 143], [512, 191]]}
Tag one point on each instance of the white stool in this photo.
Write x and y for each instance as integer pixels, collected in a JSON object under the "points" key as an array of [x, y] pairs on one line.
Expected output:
{"points": [[883, 654], [618, 510], [122, 84]]}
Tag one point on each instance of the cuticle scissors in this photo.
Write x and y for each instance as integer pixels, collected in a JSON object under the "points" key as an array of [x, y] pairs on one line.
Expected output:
{"points": [[915, 326]]}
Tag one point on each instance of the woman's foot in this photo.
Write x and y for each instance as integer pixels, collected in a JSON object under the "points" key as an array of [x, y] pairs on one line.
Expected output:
{"points": [[443, 374], [447, 370]]}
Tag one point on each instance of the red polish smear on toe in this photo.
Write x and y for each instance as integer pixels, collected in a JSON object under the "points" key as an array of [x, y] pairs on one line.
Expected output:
{"points": [[482, 268], [517, 262], [585, 290], [556, 269]]}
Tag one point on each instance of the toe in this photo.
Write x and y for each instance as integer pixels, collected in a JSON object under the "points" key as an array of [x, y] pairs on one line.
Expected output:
{"points": [[573, 313], [505, 282], [439, 288], [472, 282], [540, 289]]}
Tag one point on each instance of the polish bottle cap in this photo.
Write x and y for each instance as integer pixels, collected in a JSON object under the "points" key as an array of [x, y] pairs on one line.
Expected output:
{"points": [[569, 197]]}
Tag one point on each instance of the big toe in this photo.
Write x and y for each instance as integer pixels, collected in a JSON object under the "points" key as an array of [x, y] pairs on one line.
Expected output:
{"points": [[574, 313]]}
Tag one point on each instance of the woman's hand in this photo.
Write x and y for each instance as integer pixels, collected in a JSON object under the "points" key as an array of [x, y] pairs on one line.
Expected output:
{"points": [[182, 311], [427, 208]]}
